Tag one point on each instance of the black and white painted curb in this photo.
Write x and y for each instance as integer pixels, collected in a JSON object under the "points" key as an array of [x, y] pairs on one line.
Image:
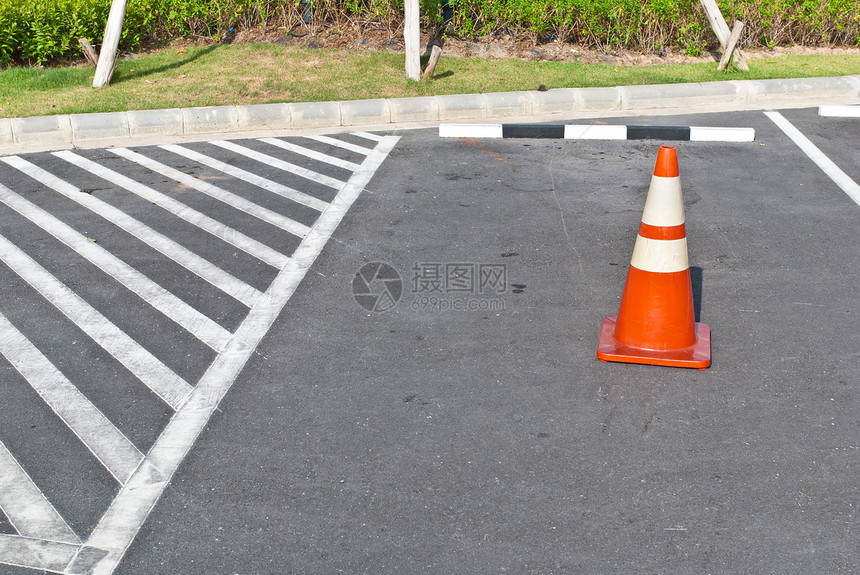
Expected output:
{"points": [[597, 132]]}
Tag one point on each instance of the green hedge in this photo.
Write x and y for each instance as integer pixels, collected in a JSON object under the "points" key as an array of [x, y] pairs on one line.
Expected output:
{"points": [[39, 31], [651, 24]]}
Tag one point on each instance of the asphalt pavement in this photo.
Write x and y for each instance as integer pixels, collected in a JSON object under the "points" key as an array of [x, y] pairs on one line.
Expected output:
{"points": [[421, 394]]}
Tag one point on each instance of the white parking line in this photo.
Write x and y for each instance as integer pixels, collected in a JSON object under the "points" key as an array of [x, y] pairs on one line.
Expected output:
{"points": [[113, 449], [168, 304], [147, 368], [251, 246], [314, 155], [229, 198], [219, 278], [254, 179], [121, 522], [281, 164], [341, 144], [29, 512], [833, 171]]}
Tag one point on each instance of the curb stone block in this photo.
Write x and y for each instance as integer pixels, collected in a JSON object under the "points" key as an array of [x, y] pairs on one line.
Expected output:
{"points": [[101, 126], [143, 123], [355, 112], [6, 138], [315, 114], [210, 120], [800, 88], [555, 100], [414, 109], [508, 104], [681, 95], [462, 106], [264, 117], [42, 130], [596, 99]]}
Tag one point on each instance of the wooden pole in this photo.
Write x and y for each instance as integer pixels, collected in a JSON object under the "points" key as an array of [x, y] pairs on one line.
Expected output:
{"points": [[721, 29], [89, 52], [412, 39], [730, 46], [107, 55], [435, 52]]}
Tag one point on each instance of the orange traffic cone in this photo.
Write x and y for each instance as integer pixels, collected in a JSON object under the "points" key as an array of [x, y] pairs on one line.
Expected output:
{"points": [[656, 323]]}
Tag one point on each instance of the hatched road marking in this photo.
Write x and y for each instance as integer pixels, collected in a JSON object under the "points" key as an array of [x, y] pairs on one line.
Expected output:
{"points": [[43, 539], [181, 255], [233, 200], [255, 179]]}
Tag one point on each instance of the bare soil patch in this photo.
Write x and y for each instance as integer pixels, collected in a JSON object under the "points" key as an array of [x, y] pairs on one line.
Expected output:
{"points": [[356, 38]]}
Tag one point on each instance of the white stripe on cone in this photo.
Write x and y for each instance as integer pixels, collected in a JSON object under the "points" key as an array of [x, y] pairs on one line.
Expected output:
{"points": [[664, 205], [660, 256]]}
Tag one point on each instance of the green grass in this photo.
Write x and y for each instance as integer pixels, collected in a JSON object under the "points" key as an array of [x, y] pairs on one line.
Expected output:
{"points": [[266, 73]]}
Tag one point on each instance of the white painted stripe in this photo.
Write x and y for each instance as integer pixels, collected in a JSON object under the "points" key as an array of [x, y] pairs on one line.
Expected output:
{"points": [[178, 253], [158, 377], [833, 171], [102, 438], [369, 136], [119, 525], [591, 132], [839, 111], [700, 134], [51, 556], [259, 250], [168, 304], [470, 130], [254, 179], [312, 154], [229, 198], [29, 512], [270, 161], [664, 205], [341, 144], [660, 256]]}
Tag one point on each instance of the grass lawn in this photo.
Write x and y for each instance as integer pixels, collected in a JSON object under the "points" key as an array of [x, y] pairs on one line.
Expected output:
{"points": [[267, 73]]}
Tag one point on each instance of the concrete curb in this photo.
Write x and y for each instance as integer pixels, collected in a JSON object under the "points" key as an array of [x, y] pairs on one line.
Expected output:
{"points": [[120, 128]]}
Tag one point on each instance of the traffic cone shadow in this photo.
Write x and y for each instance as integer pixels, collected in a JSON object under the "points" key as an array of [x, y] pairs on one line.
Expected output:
{"points": [[696, 281], [656, 321]]}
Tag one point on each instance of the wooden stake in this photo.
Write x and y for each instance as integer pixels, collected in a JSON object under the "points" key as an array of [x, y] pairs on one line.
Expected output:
{"points": [[412, 39], [431, 63], [730, 47], [107, 56], [89, 52], [721, 29]]}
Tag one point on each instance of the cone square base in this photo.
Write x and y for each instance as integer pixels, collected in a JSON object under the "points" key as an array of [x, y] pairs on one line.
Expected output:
{"points": [[696, 356]]}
